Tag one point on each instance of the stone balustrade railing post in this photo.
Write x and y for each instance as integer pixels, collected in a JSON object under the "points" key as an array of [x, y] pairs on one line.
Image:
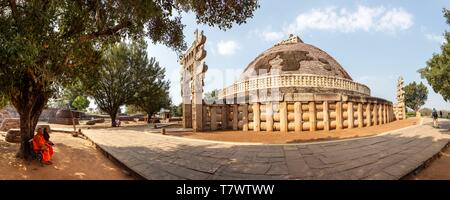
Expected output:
{"points": [[245, 117], [375, 114], [213, 118], [326, 116], [312, 116], [368, 115], [298, 116], [225, 117], [338, 115], [269, 117], [360, 115], [256, 117], [235, 117], [283, 117], [350, 119]]}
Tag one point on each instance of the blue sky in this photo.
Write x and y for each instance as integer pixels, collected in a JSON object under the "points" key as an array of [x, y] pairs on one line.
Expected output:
{"points": [[375, 41]]}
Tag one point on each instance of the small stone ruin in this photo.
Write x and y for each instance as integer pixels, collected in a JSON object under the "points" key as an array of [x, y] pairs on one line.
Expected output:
{"points": [[64, 117], [13, 135], [9, 123]]}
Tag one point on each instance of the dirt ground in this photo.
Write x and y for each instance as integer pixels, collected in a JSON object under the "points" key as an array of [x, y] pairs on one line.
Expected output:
{"points": [[107, 124], [74, 159], [438, 169], [291, 137]]}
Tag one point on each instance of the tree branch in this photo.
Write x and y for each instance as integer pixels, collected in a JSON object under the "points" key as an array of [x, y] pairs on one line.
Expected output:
{"points": [[13, 5], [106, 32]]}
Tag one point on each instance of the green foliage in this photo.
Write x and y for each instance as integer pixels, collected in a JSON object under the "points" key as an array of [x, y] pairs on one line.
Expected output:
{"points": [[211, 96], [3, 101], [46, 44], [65, 95], [410, 114], [415, 95], [153, 91], [176, 110], [128, 77], [152, 98], [131, 109], [437, 71], [119, 77], [81, 103]]}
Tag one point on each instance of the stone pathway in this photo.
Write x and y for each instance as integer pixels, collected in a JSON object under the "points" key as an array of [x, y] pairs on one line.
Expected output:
{"points": [[390, 155]]}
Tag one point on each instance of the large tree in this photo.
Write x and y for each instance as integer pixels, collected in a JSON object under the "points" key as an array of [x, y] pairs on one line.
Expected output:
{"points": [[437, 71], [123, 74], [152, 99], [153, 93], [415, 95], [48, 42]]}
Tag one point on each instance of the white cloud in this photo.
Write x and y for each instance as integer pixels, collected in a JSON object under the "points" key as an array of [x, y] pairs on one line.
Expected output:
{"points": [[362, 19], [267, 34], [435, 38], [395, 19], [227, 48], [272, 35]]}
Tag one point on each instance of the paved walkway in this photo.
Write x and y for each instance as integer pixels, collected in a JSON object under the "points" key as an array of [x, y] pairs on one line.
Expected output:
{"points": [[386, 156]]}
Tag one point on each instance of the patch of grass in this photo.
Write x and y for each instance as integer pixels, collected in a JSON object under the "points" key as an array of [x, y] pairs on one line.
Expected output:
{"points": [[410, 114]]}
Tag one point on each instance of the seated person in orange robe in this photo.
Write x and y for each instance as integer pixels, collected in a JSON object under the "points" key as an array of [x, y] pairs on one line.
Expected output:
{"points": [[47, 136], [40, 145]]}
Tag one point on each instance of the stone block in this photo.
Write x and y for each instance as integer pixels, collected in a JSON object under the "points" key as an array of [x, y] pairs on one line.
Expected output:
{"points": [[62, 113], [305, 97], [13, 136], [327, 97], [94, 121], [125, 118], [64, 121]]}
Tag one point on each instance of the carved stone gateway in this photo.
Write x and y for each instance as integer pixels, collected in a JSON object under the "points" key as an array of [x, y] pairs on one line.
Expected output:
{"points": [[193, 69], [400, 106]]}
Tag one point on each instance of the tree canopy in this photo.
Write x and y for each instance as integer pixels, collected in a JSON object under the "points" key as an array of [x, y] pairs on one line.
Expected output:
{"points": [[437, 71], [46, 43], [81, 103], [415, 95], [153, 94], [124, 73]]}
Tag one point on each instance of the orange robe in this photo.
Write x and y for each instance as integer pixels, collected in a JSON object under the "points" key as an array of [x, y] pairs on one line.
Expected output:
{"points": [[40, 145]]}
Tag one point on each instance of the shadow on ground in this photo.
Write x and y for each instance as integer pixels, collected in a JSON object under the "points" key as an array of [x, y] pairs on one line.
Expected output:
{"points": [[389, 156], [73, 159]]}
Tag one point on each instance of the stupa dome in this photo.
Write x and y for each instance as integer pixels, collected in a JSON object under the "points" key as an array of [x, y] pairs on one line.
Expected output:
{"points": [[292, 56]]}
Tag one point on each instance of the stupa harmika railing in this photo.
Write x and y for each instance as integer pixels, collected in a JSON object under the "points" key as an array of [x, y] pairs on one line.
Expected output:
{"points": [[294, 80]]}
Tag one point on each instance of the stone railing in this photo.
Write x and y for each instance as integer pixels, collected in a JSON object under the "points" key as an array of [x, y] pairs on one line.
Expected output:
{"points": [[298, 116], [294, 80]]}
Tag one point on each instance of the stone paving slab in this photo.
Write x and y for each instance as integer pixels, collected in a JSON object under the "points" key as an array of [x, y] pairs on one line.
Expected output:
{"points": [[389, 156]]}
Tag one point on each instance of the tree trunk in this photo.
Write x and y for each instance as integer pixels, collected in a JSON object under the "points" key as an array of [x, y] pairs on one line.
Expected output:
{"points": [[113, 119], [26, 133], [29, 108], [149, 118]]}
